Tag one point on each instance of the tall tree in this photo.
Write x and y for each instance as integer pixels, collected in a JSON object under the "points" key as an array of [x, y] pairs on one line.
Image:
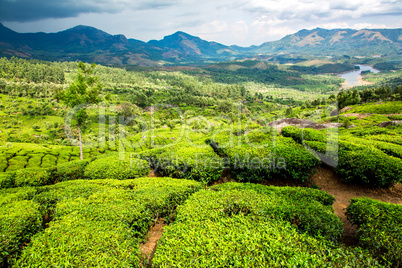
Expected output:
{"points": [[83, 91]]}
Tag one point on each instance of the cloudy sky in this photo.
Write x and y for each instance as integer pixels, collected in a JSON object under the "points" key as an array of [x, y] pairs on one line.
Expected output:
{"points": [[230, 22]]}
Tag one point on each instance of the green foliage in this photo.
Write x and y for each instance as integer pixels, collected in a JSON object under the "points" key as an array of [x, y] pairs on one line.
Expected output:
{"points": [[242, 225], [353, 97], [359, 160], [307, 134], [16, 163], [19, 220], [32, 177], [73, 170], [258, 155], [83, 91], [31, 70], [188, 159], [112, 245], [102, 223], [325, 68], [114, 168], [368, 165], [379, 228], [7, 180]]}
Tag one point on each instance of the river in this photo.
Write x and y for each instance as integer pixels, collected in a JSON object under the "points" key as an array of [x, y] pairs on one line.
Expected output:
{"points": [[353, 78]]}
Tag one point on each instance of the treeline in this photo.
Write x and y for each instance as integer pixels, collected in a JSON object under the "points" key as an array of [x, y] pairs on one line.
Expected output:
{"points": [[31, 71], [388, 66], [352, 97], [32, 90], [323, 69], [268, 75]]}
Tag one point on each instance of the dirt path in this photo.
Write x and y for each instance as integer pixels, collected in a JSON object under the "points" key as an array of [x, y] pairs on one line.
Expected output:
{"points": [[148, 249], [329, 182], [153, 174]]}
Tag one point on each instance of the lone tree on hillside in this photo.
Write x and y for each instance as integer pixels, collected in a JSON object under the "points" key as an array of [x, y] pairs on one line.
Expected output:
{"points": [[84, 90]]}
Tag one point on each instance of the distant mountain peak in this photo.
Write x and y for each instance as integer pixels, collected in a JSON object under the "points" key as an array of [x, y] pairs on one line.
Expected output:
{"points": [[91, 44], [87, 29]]}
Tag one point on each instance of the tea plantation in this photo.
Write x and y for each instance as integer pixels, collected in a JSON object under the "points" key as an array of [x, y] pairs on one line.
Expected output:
{"points": [[157, 148]]}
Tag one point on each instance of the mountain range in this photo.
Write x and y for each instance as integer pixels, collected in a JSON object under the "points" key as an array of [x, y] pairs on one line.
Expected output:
{"points": [[93, 45]]}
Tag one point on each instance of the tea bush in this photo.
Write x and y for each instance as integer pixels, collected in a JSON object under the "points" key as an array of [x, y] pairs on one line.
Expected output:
{"points": [[379, 226], [75, 242], [7, 180], [102, 222], [19, 220], [368, 165], [3, 163], [256, 156], [114, 168], [360, 160], [194, 162], [242, 225], [32, 177], [73, 170], [17, 163]]}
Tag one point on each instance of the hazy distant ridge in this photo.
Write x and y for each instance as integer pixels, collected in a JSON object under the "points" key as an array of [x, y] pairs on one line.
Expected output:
{"points": [[91, 44]]}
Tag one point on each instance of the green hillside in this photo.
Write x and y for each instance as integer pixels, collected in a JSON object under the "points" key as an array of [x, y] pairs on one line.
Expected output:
{"points": [[192, 149]]}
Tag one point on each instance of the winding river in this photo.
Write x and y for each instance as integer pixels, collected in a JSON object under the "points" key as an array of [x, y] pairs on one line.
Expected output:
{"points": [[353, 78]]}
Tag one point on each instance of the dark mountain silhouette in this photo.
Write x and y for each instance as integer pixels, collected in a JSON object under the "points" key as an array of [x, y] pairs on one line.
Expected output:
{"points": [[93, 45]]}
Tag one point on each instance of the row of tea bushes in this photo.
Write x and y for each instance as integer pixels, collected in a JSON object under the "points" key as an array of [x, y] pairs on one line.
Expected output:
{"points": [[17, 156], [367, 165], [379, 228], [196, 161], [260, 155], [108, 167], [359, 160], [101, 223], [243, 225], [20, 218], [114, 168]]}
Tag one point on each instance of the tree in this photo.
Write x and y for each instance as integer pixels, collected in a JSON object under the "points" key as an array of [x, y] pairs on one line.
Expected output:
{"points": [[84, 90]]}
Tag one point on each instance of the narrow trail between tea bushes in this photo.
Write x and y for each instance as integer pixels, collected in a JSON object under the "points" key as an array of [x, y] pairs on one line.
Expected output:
{"points": [[329, 182], [149, 247]]}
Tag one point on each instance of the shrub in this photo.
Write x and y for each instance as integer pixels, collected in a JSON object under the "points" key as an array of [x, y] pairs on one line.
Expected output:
{"points": [[32, 177], [254, 158], [101, 223], [73, 170], [19, 220], [35, 160], [306, 134], [235, 225], [379, 227], [368, 165], [7, 180], [49, 161], [113, 168], [196, 161], [3, 163], [359, 160], [75, 242], [200, 164], [18, 162], [8, 196], [395, 117]]}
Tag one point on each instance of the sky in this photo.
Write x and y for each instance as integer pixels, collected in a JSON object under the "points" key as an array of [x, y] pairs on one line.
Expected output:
{"points": [[230, 22]]}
